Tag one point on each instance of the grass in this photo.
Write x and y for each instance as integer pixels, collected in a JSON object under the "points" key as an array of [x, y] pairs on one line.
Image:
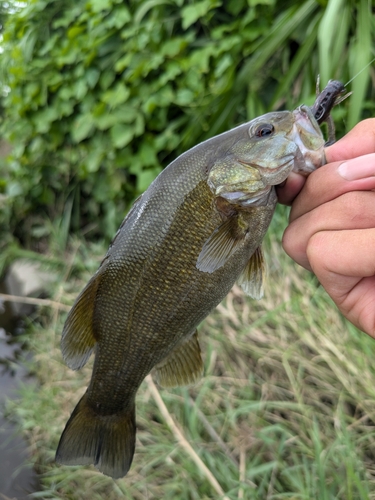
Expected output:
{"points": [[285, 410]]}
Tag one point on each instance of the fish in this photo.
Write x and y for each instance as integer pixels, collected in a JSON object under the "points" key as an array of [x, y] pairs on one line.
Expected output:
{"points": [[188, 238]]}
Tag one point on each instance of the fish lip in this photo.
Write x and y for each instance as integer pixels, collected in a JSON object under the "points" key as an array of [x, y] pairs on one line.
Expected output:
{"points": [[306, 114], [309, 139]]}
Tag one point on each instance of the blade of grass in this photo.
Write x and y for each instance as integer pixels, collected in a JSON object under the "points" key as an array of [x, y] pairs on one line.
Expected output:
{"points": [[267, 46], [326, 38], [242, 472], [360, 55], [299, 61], [34, 301], [181, 438]]}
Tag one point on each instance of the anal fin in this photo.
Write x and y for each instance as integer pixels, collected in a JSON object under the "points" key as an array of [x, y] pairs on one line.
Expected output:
{"points": [[183, 366]]}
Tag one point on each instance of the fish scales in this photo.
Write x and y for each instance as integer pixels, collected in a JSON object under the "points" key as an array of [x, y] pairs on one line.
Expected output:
{"points": [[146, 325], [195, 231]]}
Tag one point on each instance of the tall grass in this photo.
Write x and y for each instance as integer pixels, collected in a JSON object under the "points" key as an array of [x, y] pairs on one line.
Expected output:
{"points": [[285, 409]]}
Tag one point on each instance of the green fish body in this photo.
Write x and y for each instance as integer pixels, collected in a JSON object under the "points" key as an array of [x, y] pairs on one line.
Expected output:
{"points": [[195, 232]]}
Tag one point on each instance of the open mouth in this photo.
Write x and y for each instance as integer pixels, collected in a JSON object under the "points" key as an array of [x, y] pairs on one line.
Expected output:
{"points": [[308, 137], [305, 122]]}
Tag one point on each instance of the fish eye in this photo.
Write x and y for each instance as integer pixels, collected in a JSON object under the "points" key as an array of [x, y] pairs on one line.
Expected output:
{"points": [[264, 130]]}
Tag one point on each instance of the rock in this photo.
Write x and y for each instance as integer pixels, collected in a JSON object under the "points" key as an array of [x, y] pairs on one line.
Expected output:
{"points": [[26, 279]]}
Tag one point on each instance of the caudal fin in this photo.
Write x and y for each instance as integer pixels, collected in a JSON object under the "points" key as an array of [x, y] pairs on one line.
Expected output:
{"points": [[108, 441]]}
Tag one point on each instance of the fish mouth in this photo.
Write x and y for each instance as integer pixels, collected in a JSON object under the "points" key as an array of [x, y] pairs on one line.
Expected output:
{"points": [[306, 120], [308, 137]]}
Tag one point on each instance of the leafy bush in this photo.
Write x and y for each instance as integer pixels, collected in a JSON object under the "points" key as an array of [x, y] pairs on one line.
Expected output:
{"points": [[105, 93]]}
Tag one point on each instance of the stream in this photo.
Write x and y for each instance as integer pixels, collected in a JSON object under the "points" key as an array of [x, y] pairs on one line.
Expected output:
{"points": [[17, 477]]}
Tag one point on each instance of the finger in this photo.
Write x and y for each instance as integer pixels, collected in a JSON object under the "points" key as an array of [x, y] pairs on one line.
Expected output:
{"points": [[328, 183], [358, 142], [352, 210], [346, 269], [291, 187]]}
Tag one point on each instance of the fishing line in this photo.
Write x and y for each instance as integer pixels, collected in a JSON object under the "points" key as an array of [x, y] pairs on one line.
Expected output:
{"points": [[363, 69]]}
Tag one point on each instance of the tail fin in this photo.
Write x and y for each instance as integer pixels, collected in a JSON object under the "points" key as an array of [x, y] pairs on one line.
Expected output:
{"points": [[108, 441]]}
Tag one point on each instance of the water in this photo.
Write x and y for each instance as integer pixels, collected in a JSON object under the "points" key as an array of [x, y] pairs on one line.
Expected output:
{"points": [[17, 478]]}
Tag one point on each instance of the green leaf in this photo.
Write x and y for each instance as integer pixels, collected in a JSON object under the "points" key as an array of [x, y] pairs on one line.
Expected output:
{"points": [[92, 77], [192, 13], [116, 96], [14, 189], [92, 162], [122, 17], [184, 97], [100, 5], [32, 89], [82, 127], [80, 89], [75, 31], [43, 119], [121, 135], [146, 7]]}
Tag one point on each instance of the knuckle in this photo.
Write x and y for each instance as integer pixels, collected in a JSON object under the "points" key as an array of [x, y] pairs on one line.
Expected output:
{"points": [[316, 250], [288, 241]]}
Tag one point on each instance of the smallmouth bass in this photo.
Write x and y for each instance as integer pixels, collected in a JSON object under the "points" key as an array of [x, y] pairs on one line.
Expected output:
{"points": [[196, 231]]}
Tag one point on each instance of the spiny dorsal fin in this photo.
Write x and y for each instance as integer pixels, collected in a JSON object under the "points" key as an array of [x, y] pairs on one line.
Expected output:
{"points": [[183, 366], [77, 341], [221, 245], [252, 278]]}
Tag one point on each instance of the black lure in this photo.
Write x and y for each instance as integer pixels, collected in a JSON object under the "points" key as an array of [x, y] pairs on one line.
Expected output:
{"points": [[330, 96], [325, 101]]}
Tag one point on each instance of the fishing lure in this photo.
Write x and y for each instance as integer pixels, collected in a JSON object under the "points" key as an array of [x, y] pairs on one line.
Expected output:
{"points": [[332, 95]]}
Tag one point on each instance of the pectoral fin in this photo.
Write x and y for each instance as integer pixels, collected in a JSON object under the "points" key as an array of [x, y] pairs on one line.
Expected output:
{"points": [[183, 366], [77, 342], [252, 277], [222, 244]]}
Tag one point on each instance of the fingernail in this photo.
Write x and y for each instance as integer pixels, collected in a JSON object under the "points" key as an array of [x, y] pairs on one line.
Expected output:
{"points": [[358, 168]]}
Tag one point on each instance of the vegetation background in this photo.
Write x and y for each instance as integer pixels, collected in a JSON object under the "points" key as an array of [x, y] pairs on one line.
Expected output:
{"points": [[96, 97]]}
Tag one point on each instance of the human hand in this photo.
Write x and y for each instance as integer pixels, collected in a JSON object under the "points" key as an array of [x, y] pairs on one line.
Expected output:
{"points": [[332, 224]]}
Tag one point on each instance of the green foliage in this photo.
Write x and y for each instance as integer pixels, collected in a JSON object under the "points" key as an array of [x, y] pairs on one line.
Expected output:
{"points": [[105, 93]]}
